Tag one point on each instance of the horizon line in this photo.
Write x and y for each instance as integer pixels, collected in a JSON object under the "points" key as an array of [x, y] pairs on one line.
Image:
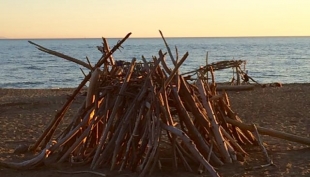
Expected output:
{"points": [[42, 38]]}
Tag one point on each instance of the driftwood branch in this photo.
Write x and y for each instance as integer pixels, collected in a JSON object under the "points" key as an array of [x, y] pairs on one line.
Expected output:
{"points": [[270, 132], [52, 52]]}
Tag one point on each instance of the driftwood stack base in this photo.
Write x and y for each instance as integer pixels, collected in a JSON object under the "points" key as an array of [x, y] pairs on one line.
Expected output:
{"points": [[133, 110]]}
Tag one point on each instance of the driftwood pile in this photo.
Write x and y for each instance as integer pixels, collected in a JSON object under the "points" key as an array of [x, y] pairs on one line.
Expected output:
{"points": [[240, 75], [220, 65], [133, 111]]}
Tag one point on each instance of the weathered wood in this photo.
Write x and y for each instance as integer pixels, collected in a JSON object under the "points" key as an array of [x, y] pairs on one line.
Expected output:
{"points": [[215, 126], [92, 87], [132, 137], [249, 136], [234, 87], [43, 49], [78, 141], [188, 99], [125, 123], [28, 164], [233, 142], [193, 132], [107, 50], [261, 144], [270, 132], [155, 143], [168, 48], [191, 147]]}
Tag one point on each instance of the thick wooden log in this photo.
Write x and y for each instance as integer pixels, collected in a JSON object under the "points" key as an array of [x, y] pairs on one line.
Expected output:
{"points": [[188, 99], [192, 148], [193, 132], [270, 132], [234, 87], [215, 126], [234, 116], [233, 142], [93, 87]]}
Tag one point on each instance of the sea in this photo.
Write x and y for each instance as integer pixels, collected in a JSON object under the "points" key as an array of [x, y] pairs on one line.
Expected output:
{"points": [[268, 59]]}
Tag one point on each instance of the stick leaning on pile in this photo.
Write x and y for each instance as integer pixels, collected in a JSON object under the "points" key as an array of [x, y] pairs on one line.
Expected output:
{"points": [[49, 131]]}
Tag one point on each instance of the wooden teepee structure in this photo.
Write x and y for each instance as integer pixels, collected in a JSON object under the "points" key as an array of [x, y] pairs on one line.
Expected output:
{"points": [[132, 111]]}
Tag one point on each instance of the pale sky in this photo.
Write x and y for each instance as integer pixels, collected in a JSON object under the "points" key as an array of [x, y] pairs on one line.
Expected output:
{"points": [[175, 18]]}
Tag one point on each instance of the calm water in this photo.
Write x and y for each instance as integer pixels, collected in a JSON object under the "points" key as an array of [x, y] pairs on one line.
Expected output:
{"points": [[269, 59]]}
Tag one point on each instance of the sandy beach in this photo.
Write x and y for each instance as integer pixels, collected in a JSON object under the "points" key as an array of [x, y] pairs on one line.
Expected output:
{"points": [[24, 114]]}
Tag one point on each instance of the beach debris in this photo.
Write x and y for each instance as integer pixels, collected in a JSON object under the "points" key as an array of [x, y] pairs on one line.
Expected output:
{"points": [[21, 149], [240, 76], [136, 112], [226, 87], [274, 84], [269, 160], [271, 132], [79, 172]]}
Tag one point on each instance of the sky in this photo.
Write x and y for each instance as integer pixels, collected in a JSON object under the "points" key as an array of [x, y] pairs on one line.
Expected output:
{"points": [[143, 18]]}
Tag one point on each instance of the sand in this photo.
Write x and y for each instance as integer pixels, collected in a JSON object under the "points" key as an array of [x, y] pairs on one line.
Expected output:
{"points": [[24, 114]]}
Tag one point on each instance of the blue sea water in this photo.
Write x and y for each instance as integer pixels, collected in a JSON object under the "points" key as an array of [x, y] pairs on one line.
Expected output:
{"points": [[269, 59]]}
